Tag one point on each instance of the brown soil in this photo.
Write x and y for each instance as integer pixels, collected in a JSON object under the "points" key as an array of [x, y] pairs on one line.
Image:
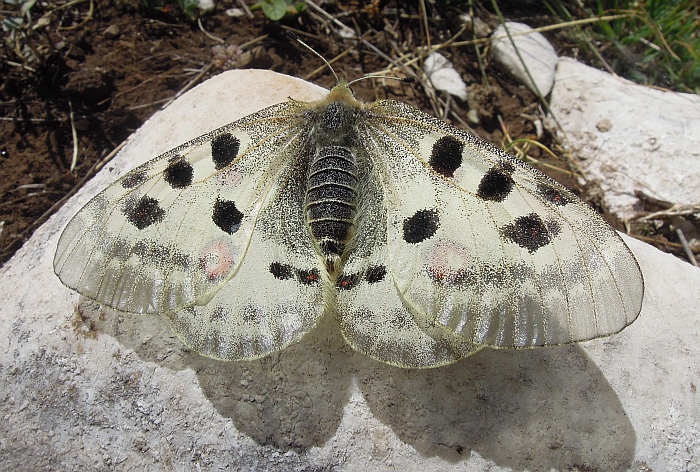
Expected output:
{"points": [[100, 73]]}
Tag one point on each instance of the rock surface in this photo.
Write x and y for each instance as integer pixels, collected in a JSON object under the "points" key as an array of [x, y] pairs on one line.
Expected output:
{"points": [[85, 389], [536, 56], [628, 137], [444, 76]]}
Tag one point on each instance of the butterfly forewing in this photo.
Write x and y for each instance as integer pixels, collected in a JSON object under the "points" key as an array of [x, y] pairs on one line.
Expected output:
{"points": [[490, 248], [152, 241]]}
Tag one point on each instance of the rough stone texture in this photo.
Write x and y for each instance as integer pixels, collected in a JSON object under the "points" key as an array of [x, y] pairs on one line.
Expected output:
{"points": [[628, 137], [539, 57], [82, 388]]}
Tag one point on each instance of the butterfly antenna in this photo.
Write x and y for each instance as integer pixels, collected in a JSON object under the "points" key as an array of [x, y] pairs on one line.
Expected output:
{"points": [[405, 80], [296, 38]]}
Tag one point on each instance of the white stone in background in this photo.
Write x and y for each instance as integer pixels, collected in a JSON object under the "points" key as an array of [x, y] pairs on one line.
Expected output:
{"points": [[481, 29], [346, 33], [443, 75], [628, 137], [120, 392], [205, 5], [235, 12], [539, 56]]}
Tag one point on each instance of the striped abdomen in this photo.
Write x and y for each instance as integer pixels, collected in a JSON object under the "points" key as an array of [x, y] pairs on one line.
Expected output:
{"points": [[331, 199]]}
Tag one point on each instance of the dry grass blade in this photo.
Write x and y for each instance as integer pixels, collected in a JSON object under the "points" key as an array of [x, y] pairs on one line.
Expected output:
{"points": [[74, 133], [686, 247]]}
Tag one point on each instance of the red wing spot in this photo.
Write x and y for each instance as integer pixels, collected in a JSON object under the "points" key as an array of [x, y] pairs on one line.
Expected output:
{"points": [[308, 277], [346, 282], [448, 263], [437, 274], [217, 260]]}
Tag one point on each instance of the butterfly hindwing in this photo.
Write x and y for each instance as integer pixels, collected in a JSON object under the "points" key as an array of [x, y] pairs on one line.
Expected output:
{"points": [[371, 312], [273, 300]]}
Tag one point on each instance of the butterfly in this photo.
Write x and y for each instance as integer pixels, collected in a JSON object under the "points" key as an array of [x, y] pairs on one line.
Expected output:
{"points": [[424, 242]]}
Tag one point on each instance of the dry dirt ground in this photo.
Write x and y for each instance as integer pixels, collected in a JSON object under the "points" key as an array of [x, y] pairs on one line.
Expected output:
{"points": [[84, 81]]}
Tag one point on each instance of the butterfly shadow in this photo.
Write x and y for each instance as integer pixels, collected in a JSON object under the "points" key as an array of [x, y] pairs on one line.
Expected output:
{"points": [[288, 400], [523, 409], [530, 409]]}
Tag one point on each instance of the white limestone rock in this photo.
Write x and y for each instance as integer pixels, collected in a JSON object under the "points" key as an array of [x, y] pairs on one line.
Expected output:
{"points": [[628, 137], [444, 76], [538, 56]]}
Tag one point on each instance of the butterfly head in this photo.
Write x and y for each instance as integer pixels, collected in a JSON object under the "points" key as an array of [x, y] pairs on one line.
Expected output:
{"points": [[343, 93]]}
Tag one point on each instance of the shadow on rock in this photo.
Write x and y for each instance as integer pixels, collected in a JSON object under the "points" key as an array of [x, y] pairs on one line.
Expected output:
{"points": [[289, 400], [539, 409], [523, 409]]}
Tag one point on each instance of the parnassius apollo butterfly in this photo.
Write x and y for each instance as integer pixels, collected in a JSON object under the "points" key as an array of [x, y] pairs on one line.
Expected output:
{"points": [[424, 242]]}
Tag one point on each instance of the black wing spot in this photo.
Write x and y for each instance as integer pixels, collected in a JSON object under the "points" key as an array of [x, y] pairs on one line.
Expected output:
{"points": [[224, 149], [252, 314], [446, 156], [346, 282], [144, 212], [495, 185], [530, 232], [134, 178], [421, 226], [400, 321], [281, 271], [157, 254], [508, 166], [448, 277], [375, 274], [226, 216], [179, 173], [308, 277], [553, 195]]}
